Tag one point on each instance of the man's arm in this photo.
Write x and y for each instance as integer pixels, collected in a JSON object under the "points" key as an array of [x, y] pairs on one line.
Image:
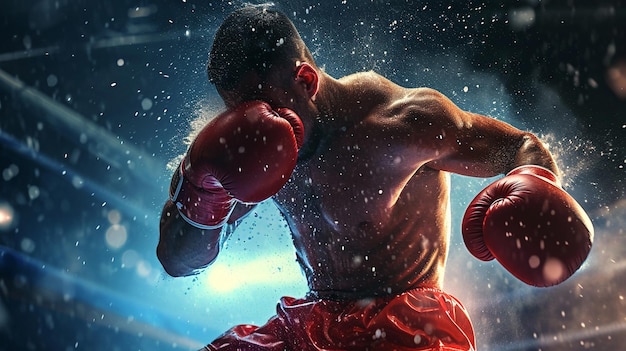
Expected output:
{"points": [[471, 144], [242, 157], [525, 220], [184, 249]]}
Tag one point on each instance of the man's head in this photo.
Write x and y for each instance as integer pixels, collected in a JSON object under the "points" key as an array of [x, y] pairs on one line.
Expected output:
{"points": [[254, 50]]}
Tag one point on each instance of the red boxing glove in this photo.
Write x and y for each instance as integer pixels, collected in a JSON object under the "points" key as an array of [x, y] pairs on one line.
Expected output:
{"points": [[532, 227], [245, 154]]}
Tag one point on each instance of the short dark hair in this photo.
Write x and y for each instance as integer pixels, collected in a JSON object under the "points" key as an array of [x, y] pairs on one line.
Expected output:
{"points": [[253, 38]]}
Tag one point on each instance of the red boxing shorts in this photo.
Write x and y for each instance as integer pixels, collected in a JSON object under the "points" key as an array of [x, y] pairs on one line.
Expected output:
{"points": [[419, 319]]}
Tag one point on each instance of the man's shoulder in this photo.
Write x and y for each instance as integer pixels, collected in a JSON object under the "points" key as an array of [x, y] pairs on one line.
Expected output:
{"points": [[422, 100], [419, 95], [391, 100], [370, 82]]}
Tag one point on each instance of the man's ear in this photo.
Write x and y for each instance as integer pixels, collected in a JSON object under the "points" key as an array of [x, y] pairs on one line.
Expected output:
{"points": [[307, 76]]}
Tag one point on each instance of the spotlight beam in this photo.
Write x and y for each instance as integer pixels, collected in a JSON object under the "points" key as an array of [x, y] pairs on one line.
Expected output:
{"points": [[33, 281], [79, 181], [97, 140], [104, 43]]}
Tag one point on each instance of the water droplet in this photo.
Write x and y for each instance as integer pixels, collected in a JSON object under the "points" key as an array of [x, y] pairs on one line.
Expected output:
{"points": [[534, 261], [417, 339]]}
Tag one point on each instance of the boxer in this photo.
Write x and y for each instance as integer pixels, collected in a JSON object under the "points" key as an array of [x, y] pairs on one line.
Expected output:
{"points": [[359, 167]]}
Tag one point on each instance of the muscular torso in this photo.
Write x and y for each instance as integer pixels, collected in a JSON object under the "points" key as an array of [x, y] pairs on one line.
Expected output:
{"points": [[367, 217]]}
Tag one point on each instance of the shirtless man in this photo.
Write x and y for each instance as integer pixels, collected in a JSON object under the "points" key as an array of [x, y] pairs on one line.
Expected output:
{"points": [[359, 167]]}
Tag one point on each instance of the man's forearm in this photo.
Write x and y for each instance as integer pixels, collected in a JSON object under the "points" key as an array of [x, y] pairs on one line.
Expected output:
{"points": [[184, 249], [532, 151]]}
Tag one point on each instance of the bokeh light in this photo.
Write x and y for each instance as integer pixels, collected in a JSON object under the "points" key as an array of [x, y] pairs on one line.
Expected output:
{"points": [[116, 236], [7, 216]]}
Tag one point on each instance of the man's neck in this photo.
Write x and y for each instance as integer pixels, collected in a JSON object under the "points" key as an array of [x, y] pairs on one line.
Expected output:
{"points": [[340, 104], [343, 102]]}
